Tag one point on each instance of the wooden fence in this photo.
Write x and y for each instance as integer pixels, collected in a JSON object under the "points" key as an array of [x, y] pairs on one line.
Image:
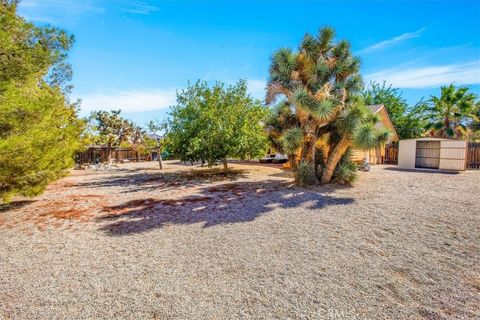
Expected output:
{"points": [[391, 153], [99, 154], [473, 155]]}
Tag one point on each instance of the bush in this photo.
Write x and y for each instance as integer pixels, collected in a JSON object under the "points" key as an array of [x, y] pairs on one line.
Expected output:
{"points": [[305, 174], [346, 171]]}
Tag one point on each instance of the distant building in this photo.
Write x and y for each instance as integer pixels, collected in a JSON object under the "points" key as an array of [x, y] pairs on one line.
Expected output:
{"points": [[377, 155]]}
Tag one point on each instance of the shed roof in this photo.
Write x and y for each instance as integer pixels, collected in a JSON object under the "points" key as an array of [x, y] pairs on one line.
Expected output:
{"points": [[429, 139]]}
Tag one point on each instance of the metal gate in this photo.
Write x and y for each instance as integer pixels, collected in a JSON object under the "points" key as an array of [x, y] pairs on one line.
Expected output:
{"points": [[427, 154]]}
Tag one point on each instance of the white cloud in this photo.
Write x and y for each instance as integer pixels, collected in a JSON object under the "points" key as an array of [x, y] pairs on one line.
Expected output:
{"points": [[431, 76], [55, 11], [392, 41], [129, 101], [138, 7], [257, 88]]}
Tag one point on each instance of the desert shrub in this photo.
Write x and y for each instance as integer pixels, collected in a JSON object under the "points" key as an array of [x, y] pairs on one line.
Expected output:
{"points": [[346, 170], [305, 174]]}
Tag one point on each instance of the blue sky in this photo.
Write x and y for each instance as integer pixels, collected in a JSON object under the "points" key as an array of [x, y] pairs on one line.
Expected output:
{"points": [[134, 55]]}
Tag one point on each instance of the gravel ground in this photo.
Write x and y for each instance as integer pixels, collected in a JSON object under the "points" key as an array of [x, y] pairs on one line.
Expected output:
{"points": [[132, 243]]}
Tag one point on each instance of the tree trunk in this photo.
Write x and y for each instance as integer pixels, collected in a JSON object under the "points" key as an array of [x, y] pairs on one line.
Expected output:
{"points": [[306, 153], [225, 165], [160, 162], [333, 160], [109, 151]]}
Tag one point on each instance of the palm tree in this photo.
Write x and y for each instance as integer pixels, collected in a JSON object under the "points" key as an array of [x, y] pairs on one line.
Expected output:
{"points": [[451, 114], [320, 85]]}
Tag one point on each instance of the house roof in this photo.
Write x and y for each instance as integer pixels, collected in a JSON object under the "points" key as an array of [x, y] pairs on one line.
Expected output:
{"points": [[385, 118], [375, 108]]}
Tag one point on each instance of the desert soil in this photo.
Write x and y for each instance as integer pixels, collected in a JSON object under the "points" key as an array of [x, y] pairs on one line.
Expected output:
{"points": [[136, 243]]}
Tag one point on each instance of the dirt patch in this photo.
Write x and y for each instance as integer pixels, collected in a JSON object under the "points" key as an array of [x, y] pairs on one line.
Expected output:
{"points": [[49, 213]]}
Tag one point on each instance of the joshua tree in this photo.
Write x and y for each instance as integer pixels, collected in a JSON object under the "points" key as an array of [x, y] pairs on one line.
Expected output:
{"points": [[154, 139], [112, 128], [320, 85]]}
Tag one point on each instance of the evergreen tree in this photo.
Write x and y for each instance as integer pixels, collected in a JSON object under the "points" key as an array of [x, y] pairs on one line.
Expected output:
{"points": [[39, 127]]}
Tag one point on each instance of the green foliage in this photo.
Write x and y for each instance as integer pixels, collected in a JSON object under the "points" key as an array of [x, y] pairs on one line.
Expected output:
{"points": [[154, 138], [406, 122], [112, 129], [320, 86], [346, 170], [39, 127], [305, 174], [214, 123], [474, 126], [280, 118], [449, 115], [292, 140]]}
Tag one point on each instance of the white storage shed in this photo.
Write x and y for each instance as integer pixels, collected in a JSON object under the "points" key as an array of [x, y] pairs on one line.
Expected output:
{"points": [[433, 153]]}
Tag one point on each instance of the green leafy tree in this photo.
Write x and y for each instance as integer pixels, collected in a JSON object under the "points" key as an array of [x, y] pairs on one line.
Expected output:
{"points": [[406, 122], [450, 115], [212, 124], [474, 127], [111, 128], [39, 127], [320, 85]]}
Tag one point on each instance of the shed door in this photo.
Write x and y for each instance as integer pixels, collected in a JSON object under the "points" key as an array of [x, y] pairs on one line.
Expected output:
{"points": [[427, 154], [453, 155]]}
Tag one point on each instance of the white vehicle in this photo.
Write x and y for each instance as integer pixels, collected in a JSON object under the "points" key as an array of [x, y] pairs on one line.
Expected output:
{"points": [[274, 158]]}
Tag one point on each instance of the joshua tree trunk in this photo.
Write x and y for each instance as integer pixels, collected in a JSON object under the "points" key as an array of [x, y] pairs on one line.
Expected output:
{"points": [[225, 166], [293, 162], [308, 153], [160, 162], [109, 150], [333, 159]]}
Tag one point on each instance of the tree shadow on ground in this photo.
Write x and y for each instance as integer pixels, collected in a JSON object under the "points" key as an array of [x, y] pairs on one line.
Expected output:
{"points": [[15, 205], [163, 181], [214, 205], [420, 170]]}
